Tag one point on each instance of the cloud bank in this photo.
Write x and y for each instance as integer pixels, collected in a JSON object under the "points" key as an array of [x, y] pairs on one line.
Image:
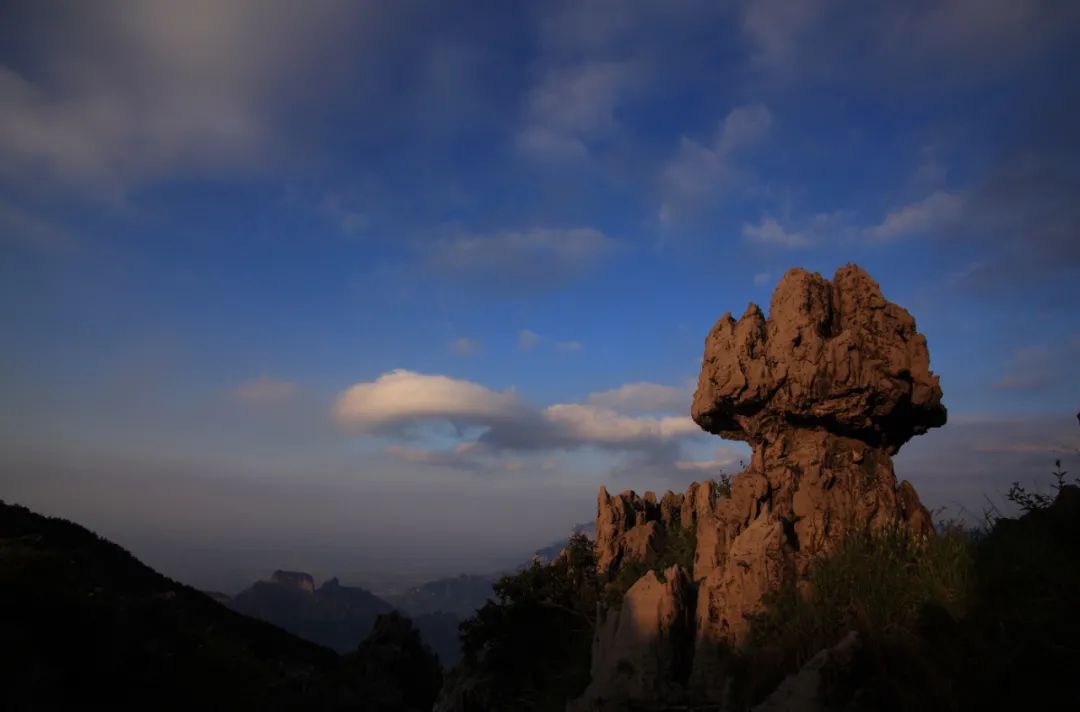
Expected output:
{"points": [[397, 403]]}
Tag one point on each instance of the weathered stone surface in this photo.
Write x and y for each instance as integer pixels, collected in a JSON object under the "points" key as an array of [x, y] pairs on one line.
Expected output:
{"points": [[627, 528], [754, 565], [722, 514], [641, 651], [836, 356], [671, 509]]}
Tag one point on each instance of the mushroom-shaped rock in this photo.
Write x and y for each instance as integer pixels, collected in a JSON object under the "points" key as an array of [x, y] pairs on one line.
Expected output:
{"points": [[835, 356]]}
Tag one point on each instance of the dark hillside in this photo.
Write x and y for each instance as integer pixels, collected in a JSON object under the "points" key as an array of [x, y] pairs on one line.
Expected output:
{"points": [[85, 624]]}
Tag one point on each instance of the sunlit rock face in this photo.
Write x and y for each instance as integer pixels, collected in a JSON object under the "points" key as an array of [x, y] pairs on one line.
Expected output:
{"points": [[836, 357], [825, 390], [626, 528]]}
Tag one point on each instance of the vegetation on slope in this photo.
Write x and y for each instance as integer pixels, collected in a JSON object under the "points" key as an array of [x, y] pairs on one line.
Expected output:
{"points": [[529, 647], [964, 620]]}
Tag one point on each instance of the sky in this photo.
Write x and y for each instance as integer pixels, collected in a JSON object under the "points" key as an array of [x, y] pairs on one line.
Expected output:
{"points": [[388, 290]]}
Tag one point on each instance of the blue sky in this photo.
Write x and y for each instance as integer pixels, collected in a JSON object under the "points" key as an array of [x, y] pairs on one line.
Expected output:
{"points": [[279, 278]]}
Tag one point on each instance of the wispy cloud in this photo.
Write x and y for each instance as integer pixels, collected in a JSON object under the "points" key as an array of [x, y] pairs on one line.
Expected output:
{"points": [[701, 173], [464, 346], [643, 397], [517, 261], [265, 390], [938, 211], [1041, 366], [819, 228], [571, 107], [770, 232], [528, 340]]}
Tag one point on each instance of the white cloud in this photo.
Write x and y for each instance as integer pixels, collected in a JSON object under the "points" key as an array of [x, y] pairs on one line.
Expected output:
{"points": [[592, 425], [527, 340], [761, 279], [643, 397], [939, 210], [700, 174], [568, 346], [464, 346], [521, 260], [264, 390], [402, 397]]}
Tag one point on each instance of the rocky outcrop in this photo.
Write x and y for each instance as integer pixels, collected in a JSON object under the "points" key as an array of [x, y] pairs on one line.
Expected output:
{"points": [[626, 528], [825, 390]]}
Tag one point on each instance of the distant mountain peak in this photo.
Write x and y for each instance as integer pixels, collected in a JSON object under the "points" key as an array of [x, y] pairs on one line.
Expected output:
{"points": [[294, 579]]}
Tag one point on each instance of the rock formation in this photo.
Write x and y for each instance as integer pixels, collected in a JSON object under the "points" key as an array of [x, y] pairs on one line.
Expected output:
{"points": [[825, 390]]}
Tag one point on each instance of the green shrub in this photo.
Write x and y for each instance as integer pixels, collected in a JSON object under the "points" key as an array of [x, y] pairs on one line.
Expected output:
{"points": [[529, 648], [878, 584]]}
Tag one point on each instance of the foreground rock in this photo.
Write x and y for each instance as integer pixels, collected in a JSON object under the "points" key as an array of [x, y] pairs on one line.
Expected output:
{"points": [[641, 650], [825, 390], [806, 690]]}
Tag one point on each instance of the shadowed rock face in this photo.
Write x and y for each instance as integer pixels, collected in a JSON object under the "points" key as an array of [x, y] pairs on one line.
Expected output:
{"points": [[642, 651], [826, 390]]}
